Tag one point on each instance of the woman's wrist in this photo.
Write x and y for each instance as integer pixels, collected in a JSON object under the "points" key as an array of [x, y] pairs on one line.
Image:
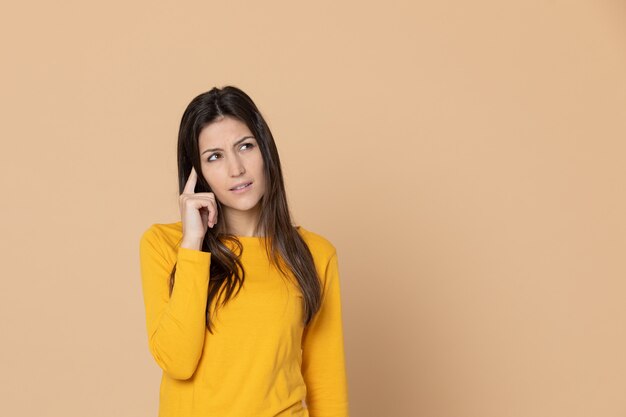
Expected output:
{"points": [[191, 243]]}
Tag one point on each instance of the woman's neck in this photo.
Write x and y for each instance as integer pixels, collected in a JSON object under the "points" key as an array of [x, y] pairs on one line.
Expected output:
{"points": [[240, 223]]}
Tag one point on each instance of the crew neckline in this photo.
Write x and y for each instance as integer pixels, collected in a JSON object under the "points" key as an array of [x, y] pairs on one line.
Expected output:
{"points": [[249, 238], [257, 237]]}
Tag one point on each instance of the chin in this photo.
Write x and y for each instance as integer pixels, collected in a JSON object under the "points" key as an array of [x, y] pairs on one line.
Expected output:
{"points": [[244, 205]]}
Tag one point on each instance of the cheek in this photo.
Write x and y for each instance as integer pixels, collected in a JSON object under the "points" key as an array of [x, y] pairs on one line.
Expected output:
{"points": [[260, 166], [264, 180], [217, 181]]}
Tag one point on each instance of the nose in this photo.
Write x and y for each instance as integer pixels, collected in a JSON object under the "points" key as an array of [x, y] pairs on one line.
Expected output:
{"points": [[236, 167]]}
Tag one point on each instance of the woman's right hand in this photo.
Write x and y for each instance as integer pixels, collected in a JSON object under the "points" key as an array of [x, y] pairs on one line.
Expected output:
{"points": [[197, 211]]}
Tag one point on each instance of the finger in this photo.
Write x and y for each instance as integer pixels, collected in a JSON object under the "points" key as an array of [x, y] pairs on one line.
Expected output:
{"points": [[208, 201], [205, 201], [212, 217], [190, 185], [212, 213]]}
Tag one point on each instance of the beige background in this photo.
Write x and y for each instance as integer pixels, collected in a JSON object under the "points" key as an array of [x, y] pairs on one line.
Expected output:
{"points": [[466, 159]]}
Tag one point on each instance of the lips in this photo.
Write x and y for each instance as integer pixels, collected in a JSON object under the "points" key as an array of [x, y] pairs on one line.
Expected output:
{"points": [[240, 184]]}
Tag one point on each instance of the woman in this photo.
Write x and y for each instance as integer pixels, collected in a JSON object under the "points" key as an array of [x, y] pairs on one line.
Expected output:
{"points": [[243, 309]]}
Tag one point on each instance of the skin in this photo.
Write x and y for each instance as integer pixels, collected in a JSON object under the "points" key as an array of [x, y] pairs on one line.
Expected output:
{"points": [[229, 166], [198, 211]]}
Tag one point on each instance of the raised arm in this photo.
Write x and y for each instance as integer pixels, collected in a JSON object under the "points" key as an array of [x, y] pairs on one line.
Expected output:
{"points": [[176, 326], [323, 360]]}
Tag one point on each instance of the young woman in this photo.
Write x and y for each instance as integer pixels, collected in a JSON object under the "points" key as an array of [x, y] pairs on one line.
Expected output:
{"points": [[243, 309]]}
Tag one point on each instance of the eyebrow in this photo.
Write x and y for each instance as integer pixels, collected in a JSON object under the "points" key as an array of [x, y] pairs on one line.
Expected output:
{"points": [[234, 144]]}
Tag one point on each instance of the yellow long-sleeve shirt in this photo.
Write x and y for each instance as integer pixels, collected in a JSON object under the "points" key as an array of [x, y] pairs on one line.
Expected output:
{"points": [[260, 361]]}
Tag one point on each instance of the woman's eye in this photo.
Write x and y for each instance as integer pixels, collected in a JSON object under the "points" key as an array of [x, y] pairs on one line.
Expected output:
{"points": [[250, 145]]}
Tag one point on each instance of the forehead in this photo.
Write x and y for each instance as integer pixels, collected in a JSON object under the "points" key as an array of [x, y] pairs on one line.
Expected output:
{"points": [[223, 130]]}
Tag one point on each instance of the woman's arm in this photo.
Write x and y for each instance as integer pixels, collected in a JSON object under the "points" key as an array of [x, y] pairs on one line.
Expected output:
{"points": [[176, 326], [323, 360]]}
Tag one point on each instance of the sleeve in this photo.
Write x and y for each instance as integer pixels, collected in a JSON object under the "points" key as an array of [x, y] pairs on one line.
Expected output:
{"points": [[323, 360], [176, 325]]}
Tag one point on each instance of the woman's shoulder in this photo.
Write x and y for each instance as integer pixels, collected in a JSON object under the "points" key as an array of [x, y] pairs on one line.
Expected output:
{"points": [[318, 244], [169, 234]]}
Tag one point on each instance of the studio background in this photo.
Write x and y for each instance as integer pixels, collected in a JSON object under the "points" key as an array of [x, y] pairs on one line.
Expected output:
{"points": [[465, 158]]}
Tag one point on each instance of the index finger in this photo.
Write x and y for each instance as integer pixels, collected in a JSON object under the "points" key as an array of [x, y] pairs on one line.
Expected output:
{"points": [[190, 185]]}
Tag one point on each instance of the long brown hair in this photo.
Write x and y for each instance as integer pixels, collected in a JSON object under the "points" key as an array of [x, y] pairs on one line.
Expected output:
{"points": [[284, 245]]}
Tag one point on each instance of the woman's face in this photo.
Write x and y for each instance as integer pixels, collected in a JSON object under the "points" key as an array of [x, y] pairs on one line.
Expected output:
{"points": [[229, 156]]}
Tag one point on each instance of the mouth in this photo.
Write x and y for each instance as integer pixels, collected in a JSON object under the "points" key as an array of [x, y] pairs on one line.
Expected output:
{"points": [[242, 186]]}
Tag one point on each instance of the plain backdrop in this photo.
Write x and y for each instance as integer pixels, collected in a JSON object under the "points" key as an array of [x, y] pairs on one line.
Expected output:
{"points": [[465, 158]]}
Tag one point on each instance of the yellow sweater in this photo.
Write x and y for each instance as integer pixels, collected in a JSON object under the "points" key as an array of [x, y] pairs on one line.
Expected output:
{"points": [[260, 361]]}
